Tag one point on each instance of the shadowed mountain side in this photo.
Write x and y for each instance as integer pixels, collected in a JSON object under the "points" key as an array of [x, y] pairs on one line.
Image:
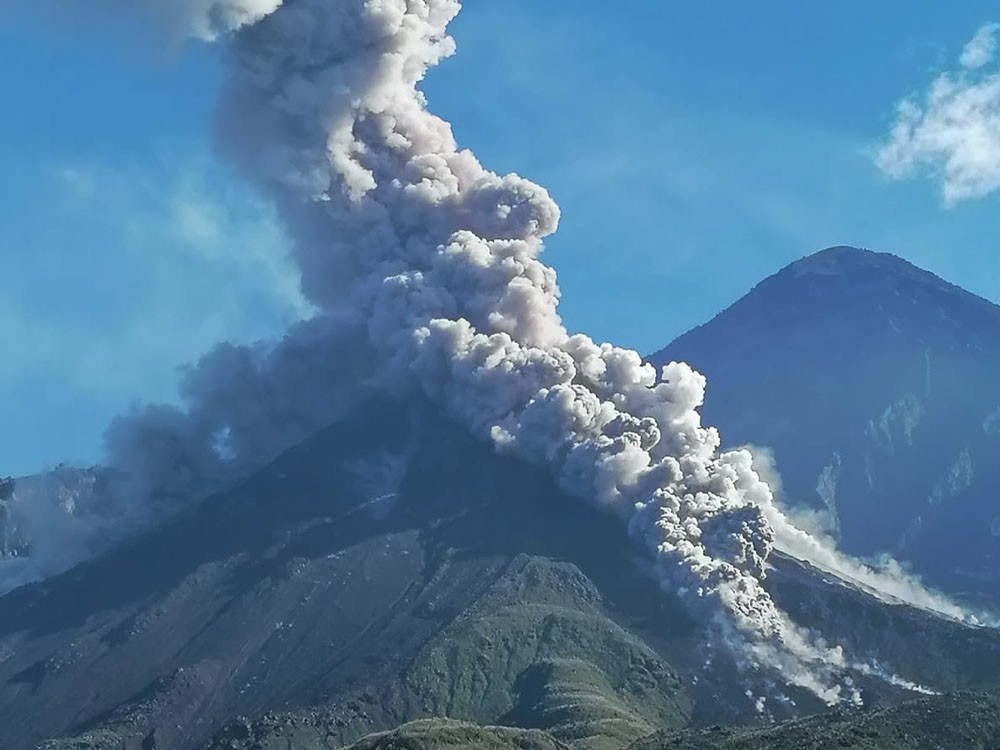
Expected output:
{"points": [[569, 694], [536, 651], [877, 385], [320, 580], [392, 569], [907, 642]]}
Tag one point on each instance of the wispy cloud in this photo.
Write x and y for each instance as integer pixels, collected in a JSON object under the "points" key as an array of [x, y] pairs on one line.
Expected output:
{"points": [[121, 272], [192, 215], [163, 237], [981, 48], [952, 131]]}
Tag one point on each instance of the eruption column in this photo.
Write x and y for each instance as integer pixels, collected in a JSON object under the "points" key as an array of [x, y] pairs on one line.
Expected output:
{"points": [[401, 234]]}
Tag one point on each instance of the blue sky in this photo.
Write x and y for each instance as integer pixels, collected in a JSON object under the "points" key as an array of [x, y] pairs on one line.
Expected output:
{"points": [[693, 154]]}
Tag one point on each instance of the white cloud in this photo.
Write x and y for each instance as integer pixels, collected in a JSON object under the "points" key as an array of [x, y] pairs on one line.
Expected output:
{"points": [[981, 48], [952, 131], [193, 217]]}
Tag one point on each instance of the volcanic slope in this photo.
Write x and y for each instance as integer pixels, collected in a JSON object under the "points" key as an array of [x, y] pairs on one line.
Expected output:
{"points": [[392, 569]]}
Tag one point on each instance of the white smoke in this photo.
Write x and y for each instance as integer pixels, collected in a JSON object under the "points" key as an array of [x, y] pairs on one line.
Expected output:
{"points": [[981, 48], [244, 406], [439, 258], [804, 533], [893, 679], [426, 264], [885, 579], [42, 521]]}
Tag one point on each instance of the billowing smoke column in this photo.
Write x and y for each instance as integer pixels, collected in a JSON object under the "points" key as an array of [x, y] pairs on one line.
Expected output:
{"points": [[402, 235], [425, 267]]}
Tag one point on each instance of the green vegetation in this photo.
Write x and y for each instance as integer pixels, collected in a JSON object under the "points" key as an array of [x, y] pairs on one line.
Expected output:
{"points": [[953, 722], [485, 597], [535, 651], [539, 652], [435, 734], [957, 722]]}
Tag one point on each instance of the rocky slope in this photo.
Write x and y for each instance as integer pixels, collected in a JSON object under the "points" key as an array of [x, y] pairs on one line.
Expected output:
{"points": [[389, 570], [877, 385], [381, 571]]}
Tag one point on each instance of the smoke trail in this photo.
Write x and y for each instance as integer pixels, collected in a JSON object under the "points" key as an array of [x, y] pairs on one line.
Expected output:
{"points": [[422, 261], [886, 580], [40, 522], [804, 535]]}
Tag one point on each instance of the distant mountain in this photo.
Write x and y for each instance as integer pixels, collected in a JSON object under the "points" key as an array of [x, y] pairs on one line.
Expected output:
{"points": [[391, 569], [877, 385]]}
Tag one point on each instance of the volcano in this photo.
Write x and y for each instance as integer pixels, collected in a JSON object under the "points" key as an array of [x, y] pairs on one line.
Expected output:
{"points": [[390, 569], [877, 386]]}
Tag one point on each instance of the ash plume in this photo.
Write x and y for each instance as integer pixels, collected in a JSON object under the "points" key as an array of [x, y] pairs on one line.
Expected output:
{"points": [[426, 270]]}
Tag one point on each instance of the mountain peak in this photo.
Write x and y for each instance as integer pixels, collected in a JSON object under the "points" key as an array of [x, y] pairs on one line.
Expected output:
{"points": [[840, 258], [829, 279]]}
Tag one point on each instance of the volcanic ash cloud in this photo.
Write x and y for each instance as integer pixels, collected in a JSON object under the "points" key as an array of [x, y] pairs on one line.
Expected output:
{"points": [[425, 267], [402, 235]]}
